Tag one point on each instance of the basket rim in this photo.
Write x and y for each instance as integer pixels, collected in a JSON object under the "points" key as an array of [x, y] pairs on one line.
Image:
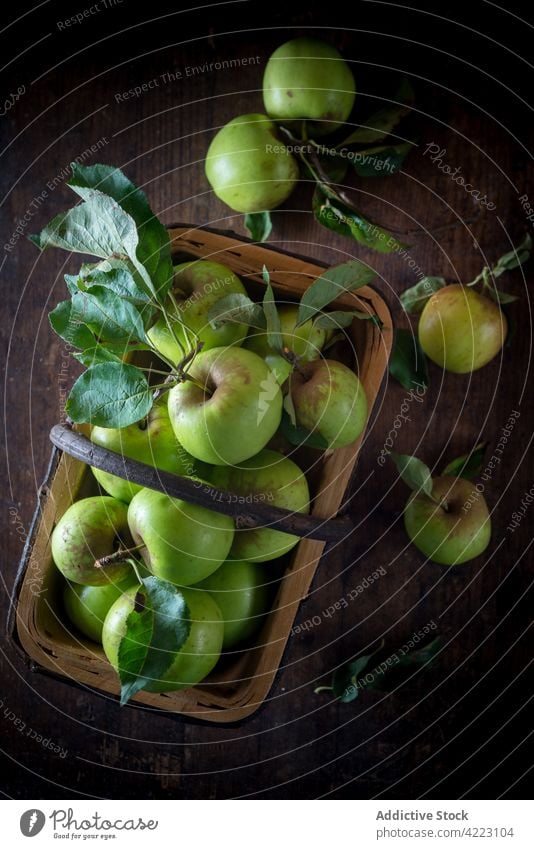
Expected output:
{"points": [[240, 711], [77, 445]]}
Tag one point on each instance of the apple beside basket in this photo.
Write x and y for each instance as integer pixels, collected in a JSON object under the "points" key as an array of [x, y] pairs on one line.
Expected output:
{"points": [[242, 680]]}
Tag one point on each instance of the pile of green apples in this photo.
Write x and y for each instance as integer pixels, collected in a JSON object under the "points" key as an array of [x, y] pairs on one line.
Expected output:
{"points": [[215, 427], [224, 387], [248, 166], [254, 161]]}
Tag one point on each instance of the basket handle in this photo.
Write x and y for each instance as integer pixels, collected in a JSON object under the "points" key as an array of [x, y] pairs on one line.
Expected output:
{"points": [[221, 501]]}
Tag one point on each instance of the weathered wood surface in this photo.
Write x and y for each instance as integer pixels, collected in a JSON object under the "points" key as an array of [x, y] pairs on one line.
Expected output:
{"points": [[461, 729]]}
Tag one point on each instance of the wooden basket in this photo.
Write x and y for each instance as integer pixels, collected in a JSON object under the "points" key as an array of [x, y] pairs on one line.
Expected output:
{"points": [[242, 680]]}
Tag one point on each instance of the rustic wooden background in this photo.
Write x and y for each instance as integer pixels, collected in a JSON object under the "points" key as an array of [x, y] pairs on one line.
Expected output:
{"points": [[463, 728]]}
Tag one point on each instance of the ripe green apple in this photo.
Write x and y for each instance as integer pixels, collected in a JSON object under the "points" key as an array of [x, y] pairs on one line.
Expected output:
{"points": [[87, 607], [306, 79], [90, 529], [248, 167], [461, 330], [268, 478], [453, 533], [241, 591], [195, 659], [151, 441], [197, 287], [329, 401], [236, 412], [305, 342], [182, 543]]}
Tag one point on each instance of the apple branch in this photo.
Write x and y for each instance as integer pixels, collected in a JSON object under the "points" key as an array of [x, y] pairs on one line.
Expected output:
{"points": [[119, 556]]}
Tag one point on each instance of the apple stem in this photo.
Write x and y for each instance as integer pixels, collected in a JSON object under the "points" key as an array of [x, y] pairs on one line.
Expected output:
{"points": [[183, 375], [440, 503], [179, 374], [133, 564], [188, 359], [119, 556], [293, 360]]}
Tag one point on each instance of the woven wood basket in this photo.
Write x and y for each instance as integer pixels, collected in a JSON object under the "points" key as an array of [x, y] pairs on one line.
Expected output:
{"points": [[242, 680]]}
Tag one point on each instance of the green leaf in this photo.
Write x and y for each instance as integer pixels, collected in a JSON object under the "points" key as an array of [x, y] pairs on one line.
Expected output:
{"points": [[274, 328], [332, 284], [338, 318], [414, 299], [236, 309], [337, 216], [259, 225], [468, 465], [382, 122], [500, 297], [99, 227], [153, 637], [513, 259], [381, 161], [69, 327], [407, 362], [109, 315], [399, 666], [413, 472], [345, 679], [96, 354], [402, 666], [154, 250], [118, 279], [110, 395], [297, 435], [289, 407]]}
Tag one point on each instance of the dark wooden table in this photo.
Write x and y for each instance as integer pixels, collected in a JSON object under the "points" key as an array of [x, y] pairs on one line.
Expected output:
{"points": [[461, 729]]}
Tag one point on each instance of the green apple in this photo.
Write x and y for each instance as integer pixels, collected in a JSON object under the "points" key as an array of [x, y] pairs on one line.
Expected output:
{"points": [[456, 529], [248, 167], [461, 330], [268, 478], [90, 529], [231, 410], [305, 342], [241, 591], [329, 401], [151, 441], [182, 543], [194, 660], [306, 79], [197, 287], [87, 607]]}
